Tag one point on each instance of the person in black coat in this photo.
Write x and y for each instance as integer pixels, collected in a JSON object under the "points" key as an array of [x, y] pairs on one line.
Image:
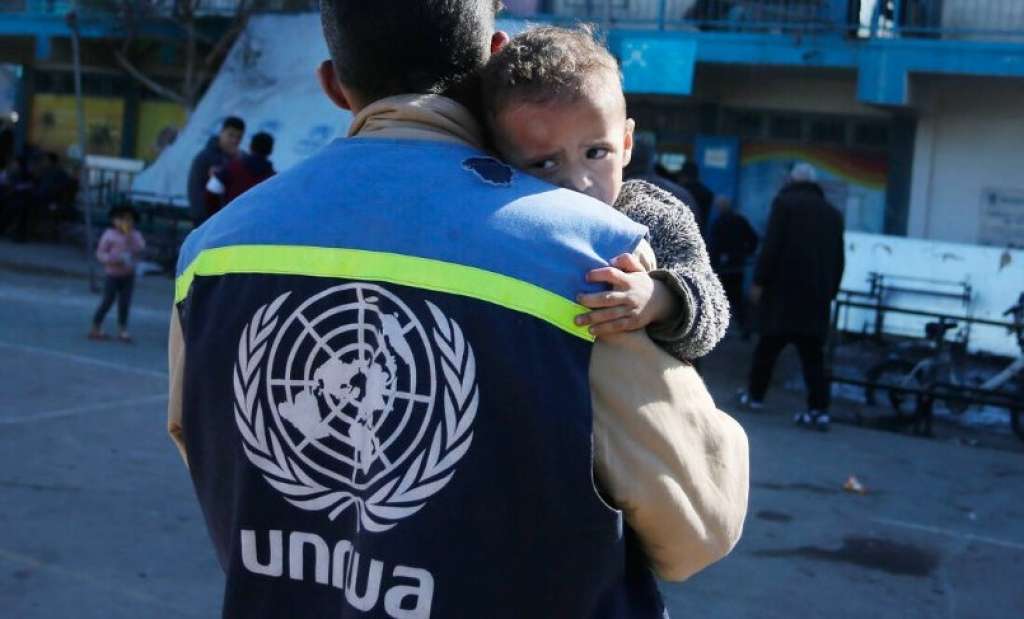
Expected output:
{"points": [[689, 179], [642, 166], [732, 242], [220, 150], [797, 276]]}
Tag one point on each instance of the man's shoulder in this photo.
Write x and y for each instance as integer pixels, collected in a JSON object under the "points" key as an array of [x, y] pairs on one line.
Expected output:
{"points": [[569, 210], [440, 170], [372, 193], [206, 152]]}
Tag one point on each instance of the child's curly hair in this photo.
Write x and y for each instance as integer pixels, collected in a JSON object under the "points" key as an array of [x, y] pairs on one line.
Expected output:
{"points": [[547, 64]]}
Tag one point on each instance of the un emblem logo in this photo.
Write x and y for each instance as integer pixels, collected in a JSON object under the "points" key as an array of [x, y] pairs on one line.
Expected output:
{"points": [[351, 401]]}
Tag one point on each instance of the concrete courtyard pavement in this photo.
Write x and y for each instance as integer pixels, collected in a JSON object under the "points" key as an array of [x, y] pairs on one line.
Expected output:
{"points": [[98, 518]]}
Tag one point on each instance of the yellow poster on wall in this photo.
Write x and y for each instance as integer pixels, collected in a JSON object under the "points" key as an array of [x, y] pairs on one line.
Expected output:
{"points": [[159, 123], [54, 124]]}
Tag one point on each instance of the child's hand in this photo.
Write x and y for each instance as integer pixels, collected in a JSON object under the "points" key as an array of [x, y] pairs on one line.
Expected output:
{"points": [[635, 300]]}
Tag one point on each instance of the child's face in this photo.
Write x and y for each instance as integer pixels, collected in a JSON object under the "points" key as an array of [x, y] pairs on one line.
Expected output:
{"points": [[581, 146], [124, 223]]}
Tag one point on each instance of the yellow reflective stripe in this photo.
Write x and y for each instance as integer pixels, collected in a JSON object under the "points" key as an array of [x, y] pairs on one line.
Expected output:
{"points": [[411, 271]]}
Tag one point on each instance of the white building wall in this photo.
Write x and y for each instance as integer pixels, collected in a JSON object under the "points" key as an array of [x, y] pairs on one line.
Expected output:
{"points": [[970, 138], [995, 275]]}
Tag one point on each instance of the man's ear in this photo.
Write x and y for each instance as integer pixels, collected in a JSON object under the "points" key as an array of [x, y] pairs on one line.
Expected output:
{"points": [[627, 142], [498, 40], [331, 86]]}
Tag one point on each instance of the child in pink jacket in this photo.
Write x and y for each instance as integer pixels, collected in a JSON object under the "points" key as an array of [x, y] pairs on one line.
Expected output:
{"points": [[119, 250]]}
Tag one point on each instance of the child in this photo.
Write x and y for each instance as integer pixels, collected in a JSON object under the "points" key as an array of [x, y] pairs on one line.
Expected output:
{"points": [[554, 105], [119, 249]]}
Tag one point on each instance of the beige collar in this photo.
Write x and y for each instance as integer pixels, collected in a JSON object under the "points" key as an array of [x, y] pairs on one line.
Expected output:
{"points": [[418, 117]]}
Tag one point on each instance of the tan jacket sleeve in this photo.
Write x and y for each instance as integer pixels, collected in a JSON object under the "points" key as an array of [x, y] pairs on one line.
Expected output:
{"points": [[176, 375], [669, 459]]}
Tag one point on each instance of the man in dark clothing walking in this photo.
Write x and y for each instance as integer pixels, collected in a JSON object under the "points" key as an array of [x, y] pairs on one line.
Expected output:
{"points": [[219, 151], [689, 178], [733, 241], [241, 174], [797, 276]]}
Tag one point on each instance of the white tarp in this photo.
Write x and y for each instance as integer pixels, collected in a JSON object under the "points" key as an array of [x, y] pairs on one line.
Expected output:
{"points": [[268, 80], [995, 275]]}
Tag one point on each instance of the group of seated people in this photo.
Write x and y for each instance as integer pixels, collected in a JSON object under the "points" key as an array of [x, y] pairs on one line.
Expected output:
{"points": [[36, 194]]}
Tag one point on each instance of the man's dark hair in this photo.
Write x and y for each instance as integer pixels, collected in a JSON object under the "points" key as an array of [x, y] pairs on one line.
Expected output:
{"points": [[690, 170], [233, 122], [548, 64], [262, 144], [382, 48]]}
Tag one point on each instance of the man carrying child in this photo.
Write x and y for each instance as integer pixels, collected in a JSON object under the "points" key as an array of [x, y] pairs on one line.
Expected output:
{"points": [[416, 424]]}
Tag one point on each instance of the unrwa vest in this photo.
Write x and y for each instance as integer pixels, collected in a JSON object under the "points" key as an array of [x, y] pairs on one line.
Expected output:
{"points": [[386, 403]]}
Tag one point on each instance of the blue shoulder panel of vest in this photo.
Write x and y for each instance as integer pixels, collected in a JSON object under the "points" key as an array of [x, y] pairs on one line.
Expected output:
{"points": [[432, 200]]}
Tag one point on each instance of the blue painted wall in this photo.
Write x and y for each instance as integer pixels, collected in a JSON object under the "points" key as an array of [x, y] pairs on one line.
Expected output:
{"points": [[664, 62]]}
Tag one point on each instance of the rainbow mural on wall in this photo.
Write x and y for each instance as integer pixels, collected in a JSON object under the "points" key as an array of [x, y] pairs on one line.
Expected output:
{"points": [[854, 182]]}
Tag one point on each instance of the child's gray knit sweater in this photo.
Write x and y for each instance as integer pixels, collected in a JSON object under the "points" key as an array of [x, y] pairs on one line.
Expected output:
{"points": [[683, 266]]}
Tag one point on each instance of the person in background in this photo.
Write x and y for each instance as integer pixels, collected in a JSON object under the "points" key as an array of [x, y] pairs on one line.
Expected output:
{"points": [[55, 190], [219, 151], [689, 178], [19, 186], [732, 243], [118, 251], [641, 167], [6, 146], [797, 276], [52, 177], [241, 174]]}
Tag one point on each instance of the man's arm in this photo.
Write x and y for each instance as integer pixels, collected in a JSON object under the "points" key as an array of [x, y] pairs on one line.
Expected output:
{"points": [[669, 459], [750, 238], [773, 237], [198, 175], [176, 376], [103, 252]]}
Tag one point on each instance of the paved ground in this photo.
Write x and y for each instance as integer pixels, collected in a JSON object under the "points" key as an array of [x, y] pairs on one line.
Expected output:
{"points": [[97, 517]]}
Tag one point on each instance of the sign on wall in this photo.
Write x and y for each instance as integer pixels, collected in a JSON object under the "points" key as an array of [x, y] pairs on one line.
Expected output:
{"points": [[1002, 218], [655, 65], [55, 124], [159, 124]]}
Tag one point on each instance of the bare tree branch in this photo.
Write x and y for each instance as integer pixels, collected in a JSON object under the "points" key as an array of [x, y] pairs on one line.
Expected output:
{"points": [[221, 48], [198, 67], [159, 89]]}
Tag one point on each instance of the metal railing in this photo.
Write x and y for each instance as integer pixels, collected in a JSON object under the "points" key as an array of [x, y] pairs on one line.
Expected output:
{"points": [[154, 8], [681, 14], [980, 20], [949, 377], [947, 19]]}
